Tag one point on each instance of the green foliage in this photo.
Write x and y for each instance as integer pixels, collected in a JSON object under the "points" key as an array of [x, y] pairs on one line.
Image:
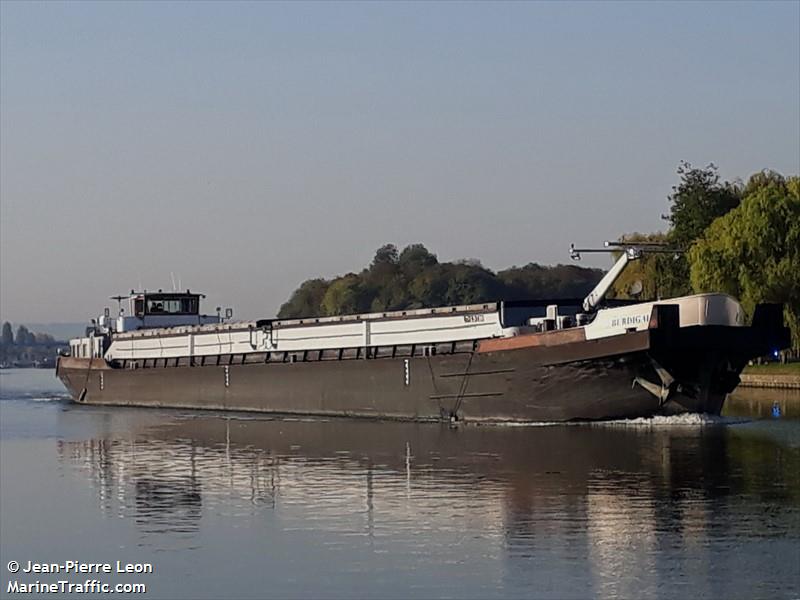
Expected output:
{"points": [[414, 278], [306, 300], [535, 281], [470, 283], [763, 179], [415, 258], [647, 269], [385, 255], [344, 295], [698, 199], [429, 287], [753, 252]]}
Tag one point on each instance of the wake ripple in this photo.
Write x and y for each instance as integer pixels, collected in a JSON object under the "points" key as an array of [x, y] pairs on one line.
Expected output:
{"points": [[684, 420], [36, 397]]}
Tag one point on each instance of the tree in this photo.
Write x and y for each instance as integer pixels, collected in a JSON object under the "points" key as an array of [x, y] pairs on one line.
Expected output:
{"points": [[43, 338], [305, 301], [391, 295], [649, 269], [535, 281], [381, 272], [7, 335], [696, 202], [762, 179], [428, 288], [24, 337], [468, 283], [386, 254], [414, 278], [753, 252], [344, 296], [415, 258]]}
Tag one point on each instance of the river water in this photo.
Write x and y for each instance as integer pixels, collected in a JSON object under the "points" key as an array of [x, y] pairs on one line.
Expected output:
{"points": [[244, 506]]}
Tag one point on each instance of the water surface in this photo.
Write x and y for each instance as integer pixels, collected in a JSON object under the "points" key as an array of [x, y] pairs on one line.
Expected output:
{"points": [[247, 506]]}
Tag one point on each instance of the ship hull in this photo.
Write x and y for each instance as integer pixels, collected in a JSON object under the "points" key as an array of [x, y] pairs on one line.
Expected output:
{"points": [[537, 378]]}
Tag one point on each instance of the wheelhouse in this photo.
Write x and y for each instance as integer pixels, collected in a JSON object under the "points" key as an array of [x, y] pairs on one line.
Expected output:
{"points": [[160, 303], [146, 310]]}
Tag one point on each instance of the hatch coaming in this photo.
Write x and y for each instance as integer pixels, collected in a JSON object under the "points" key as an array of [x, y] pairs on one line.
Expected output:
{"points": [[423, 326]]}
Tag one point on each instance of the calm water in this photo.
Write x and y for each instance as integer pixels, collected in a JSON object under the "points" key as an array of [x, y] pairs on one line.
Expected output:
{"points": [[242, 506]]}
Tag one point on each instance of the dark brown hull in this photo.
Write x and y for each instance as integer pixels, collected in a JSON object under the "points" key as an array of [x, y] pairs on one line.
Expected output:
{"points": [[558, 376]]}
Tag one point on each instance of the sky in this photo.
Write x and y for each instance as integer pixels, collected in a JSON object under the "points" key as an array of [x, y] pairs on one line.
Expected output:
{"points": [[245, 147]]}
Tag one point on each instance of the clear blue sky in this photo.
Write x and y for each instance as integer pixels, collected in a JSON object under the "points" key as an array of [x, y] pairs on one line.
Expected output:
{"points": [[249, 146]]}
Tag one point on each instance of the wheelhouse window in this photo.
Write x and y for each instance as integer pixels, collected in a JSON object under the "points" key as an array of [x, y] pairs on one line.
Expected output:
{"points": [[172, 305]]}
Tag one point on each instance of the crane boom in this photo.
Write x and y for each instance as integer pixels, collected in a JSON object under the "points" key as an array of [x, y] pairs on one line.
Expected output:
{"points": [[630, 252]]}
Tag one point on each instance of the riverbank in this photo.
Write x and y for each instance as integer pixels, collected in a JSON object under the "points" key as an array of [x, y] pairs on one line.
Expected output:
{"points": [[776, 376]]}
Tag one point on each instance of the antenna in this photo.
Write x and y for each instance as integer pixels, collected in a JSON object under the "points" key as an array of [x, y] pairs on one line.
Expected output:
{"points": [[172, 277], [119, 300]]}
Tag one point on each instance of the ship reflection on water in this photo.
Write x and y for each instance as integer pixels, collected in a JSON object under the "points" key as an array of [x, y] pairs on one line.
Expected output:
{"points": [[555, 511]]}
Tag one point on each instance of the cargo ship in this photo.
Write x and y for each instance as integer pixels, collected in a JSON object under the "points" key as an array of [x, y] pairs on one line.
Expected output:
{"points": [[504, 361]]}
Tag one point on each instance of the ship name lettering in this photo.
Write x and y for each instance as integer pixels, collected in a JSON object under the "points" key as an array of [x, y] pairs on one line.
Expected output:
{"points": [[633, 320]]}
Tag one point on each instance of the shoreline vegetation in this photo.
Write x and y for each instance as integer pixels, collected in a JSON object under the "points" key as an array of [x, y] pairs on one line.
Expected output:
{"points": [[27, 348], [414, 278]]}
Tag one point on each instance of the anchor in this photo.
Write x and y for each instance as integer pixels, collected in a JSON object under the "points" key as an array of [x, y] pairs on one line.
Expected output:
{"points": [[663, 391]]}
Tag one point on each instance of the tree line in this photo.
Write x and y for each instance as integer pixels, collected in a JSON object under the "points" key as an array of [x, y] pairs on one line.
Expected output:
{"points": [[26, 347], [24, 337], [415, 278]]}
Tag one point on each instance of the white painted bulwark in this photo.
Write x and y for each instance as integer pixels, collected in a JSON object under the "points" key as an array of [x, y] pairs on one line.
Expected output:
{"points": [[701, 309]]}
